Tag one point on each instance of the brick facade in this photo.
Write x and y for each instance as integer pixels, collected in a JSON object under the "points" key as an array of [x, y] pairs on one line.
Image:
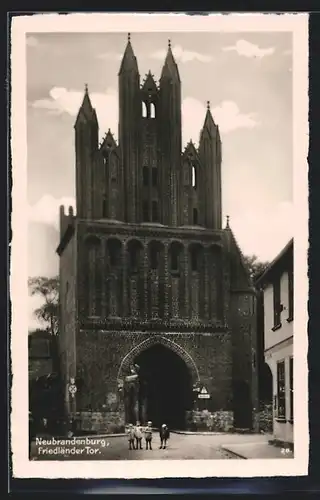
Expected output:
{"points": [[145, 261]]}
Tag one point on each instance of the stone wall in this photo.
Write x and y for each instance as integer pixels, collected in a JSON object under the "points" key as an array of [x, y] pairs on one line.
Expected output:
{"points": [[217, 421], [112, 422], [99, 422]]}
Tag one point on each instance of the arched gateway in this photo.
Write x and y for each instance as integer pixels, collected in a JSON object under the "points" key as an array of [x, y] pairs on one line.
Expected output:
{"points": [[158, 377]]}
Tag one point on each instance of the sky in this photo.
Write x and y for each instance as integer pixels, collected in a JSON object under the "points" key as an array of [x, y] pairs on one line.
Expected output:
{"points": [[247, 77]]}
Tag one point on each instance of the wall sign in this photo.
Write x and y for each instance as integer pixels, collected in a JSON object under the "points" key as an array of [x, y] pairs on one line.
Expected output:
{"points": [[203, 394]]}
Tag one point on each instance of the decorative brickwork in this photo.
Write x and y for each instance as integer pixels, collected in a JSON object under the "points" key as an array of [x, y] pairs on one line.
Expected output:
{"points": [[145, 259]]}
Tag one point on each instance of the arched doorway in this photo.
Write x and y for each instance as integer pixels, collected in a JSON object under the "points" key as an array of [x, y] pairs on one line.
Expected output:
{"points": [[165, 387], [266, 384], [242, 405]]}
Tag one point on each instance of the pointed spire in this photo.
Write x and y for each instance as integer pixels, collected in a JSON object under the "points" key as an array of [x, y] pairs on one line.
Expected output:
{"points": [[209, 123], [170, 68], [86, 102], [86, 108], [129, 60], [209, 119]]}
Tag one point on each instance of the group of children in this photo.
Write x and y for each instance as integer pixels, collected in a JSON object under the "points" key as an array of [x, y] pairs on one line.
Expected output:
{"points": [[136, 433]]}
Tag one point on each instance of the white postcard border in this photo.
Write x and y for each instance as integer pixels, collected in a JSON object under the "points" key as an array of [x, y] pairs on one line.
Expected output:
{"points": [[22, 467]]}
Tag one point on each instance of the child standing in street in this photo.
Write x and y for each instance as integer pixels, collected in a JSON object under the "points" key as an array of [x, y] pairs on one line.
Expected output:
{"points": [[164, 436], [138, 435], [148, 436], [130, 433]]}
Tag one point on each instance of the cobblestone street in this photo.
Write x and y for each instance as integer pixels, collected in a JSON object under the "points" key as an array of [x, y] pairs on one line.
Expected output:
{"points": [[180, 446]]}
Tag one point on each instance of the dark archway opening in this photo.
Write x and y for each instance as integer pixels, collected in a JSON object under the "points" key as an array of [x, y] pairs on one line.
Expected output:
{"points": [[165, 393], [266, 382], [242, 405]]}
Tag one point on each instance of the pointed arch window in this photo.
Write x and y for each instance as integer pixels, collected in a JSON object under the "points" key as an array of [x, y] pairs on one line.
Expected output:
{"points": [[152, 110], [144, 110], [194, 177]]}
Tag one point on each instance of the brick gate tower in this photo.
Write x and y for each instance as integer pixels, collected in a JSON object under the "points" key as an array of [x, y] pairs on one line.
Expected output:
{"points": [[157, 309]]}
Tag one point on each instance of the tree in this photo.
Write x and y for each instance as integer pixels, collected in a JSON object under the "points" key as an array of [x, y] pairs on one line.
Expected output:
{"points": [[48, 290], [255, 267]]}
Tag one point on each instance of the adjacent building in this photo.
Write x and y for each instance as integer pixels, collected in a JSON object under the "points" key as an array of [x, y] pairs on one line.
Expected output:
{"points": [[44, 381], [276, 286], [157, 307]]}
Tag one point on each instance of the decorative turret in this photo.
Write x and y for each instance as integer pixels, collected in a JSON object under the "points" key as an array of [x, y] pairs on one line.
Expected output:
{"points": [[170, 137], [149, 96], [210, 158], [191, 187], [87, 141], [129, 135]]}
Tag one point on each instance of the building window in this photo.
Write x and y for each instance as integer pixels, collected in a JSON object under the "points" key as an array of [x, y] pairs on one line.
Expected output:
{"points": [[152, 110], [155, 215], [276, 303], [195, 216], [291, 388], [145, 211], [154, 176], [145, 174], [194, 177], [281, 390], [144, 110], [290, 295]]}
